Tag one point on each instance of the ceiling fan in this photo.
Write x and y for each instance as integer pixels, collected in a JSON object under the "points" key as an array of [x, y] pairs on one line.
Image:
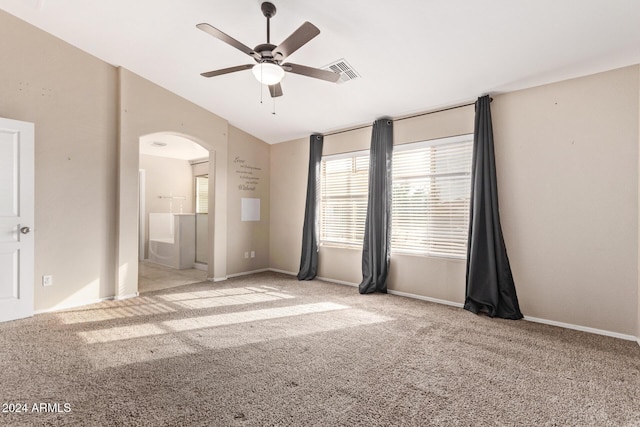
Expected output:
{"points": [[270, 68]]}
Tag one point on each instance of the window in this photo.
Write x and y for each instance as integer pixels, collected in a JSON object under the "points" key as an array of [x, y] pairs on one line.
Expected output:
{"points": [[430, 199], [431, 192], [344, 180], [202, 194]]}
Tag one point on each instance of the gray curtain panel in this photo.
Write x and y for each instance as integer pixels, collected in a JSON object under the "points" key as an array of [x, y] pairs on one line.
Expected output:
{"points": [[490, 287], [309, 257], [375, 248]]}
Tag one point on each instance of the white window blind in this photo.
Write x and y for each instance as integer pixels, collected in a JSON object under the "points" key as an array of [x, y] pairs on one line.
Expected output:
{"points": [[343, 198], [431, 191], [202, 194]]}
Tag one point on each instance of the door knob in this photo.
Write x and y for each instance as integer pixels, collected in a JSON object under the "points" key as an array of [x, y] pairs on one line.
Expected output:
{"points": [[25, 230]]}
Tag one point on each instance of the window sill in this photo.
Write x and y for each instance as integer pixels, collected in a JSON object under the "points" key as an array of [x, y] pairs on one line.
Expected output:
{"points": [[419, 255], [340, 246], [393, 253]]}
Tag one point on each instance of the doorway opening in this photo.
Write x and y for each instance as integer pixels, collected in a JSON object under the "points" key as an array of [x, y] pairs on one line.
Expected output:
{"points": [[173, 211]]}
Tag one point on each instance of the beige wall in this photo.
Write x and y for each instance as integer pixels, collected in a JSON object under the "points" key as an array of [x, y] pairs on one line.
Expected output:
{"points": [[166, 177], [289, 163], [568, 180], [72, 99], [567, 156], [249, 169]]}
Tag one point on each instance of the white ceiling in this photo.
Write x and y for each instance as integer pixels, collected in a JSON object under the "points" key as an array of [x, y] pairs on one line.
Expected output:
{"points": [[172, 146], [413, 55]]}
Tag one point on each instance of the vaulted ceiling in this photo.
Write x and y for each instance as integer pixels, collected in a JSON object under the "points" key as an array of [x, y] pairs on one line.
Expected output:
{"points": [[411, 55]]}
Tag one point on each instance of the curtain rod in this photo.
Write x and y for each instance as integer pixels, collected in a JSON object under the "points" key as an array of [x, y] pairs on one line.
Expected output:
{"points": [[408, 117]]}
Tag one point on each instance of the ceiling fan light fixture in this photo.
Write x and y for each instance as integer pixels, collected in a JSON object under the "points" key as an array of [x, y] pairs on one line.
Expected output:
{"points": [[268, 73]]}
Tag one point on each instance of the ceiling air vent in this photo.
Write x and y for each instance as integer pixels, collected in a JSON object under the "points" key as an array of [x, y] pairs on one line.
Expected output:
{"points": [[343, 68]]}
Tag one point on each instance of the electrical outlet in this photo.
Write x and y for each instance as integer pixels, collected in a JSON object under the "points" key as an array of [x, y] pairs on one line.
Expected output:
{"points": [[253, 254], [47, 280], [246, 254]]}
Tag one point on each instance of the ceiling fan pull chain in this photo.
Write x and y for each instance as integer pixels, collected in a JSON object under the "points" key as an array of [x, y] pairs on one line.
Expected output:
{"points": [[274, 107], [260, 84]]}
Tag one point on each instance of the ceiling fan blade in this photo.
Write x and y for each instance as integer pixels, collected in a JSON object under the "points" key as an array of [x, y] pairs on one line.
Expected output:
{"points": [[275, 90], [300, 37], [227, 70], [316, 73], [227, 39]]}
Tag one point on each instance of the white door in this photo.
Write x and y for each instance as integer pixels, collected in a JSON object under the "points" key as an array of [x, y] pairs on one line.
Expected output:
{"points": [[16, 219]]}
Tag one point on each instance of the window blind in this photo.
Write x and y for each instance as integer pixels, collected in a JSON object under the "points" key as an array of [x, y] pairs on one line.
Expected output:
{"points": [[343, 198], [431, 191], [202, 194]]}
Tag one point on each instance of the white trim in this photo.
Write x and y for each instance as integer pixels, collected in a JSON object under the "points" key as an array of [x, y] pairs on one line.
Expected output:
{"points": [[423, 298], [200, 266], [70, 306], [142, 213], [246, 273], [217, 279], [119, 298], [339, 282], [582, 328], [290, 273]]}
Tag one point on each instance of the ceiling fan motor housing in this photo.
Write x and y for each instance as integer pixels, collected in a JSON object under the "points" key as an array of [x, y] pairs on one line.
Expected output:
{"points": [[268, 9], [266, 52]]}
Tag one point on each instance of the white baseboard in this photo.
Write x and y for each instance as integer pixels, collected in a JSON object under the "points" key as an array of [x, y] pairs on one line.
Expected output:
{"points": [[118, 298], [339, 282], [423, 298], [275, 270], [217, 279], [398, 293], [70, 306], [246, 273], [583, 328], [200, 266]]}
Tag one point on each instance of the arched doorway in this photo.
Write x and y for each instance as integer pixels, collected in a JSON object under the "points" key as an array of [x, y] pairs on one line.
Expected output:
{"points": [[173, 211]]}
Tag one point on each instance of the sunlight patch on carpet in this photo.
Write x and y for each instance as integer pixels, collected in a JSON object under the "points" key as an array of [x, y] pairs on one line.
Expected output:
{"points": [[215, 293], [250, 316], [195, 304], [123, 346], [121, 333], [216, 320], [282, 328], [134, 307]]}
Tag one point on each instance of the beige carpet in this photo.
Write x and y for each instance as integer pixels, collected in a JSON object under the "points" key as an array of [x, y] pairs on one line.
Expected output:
{"points": [[268, 350]]}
